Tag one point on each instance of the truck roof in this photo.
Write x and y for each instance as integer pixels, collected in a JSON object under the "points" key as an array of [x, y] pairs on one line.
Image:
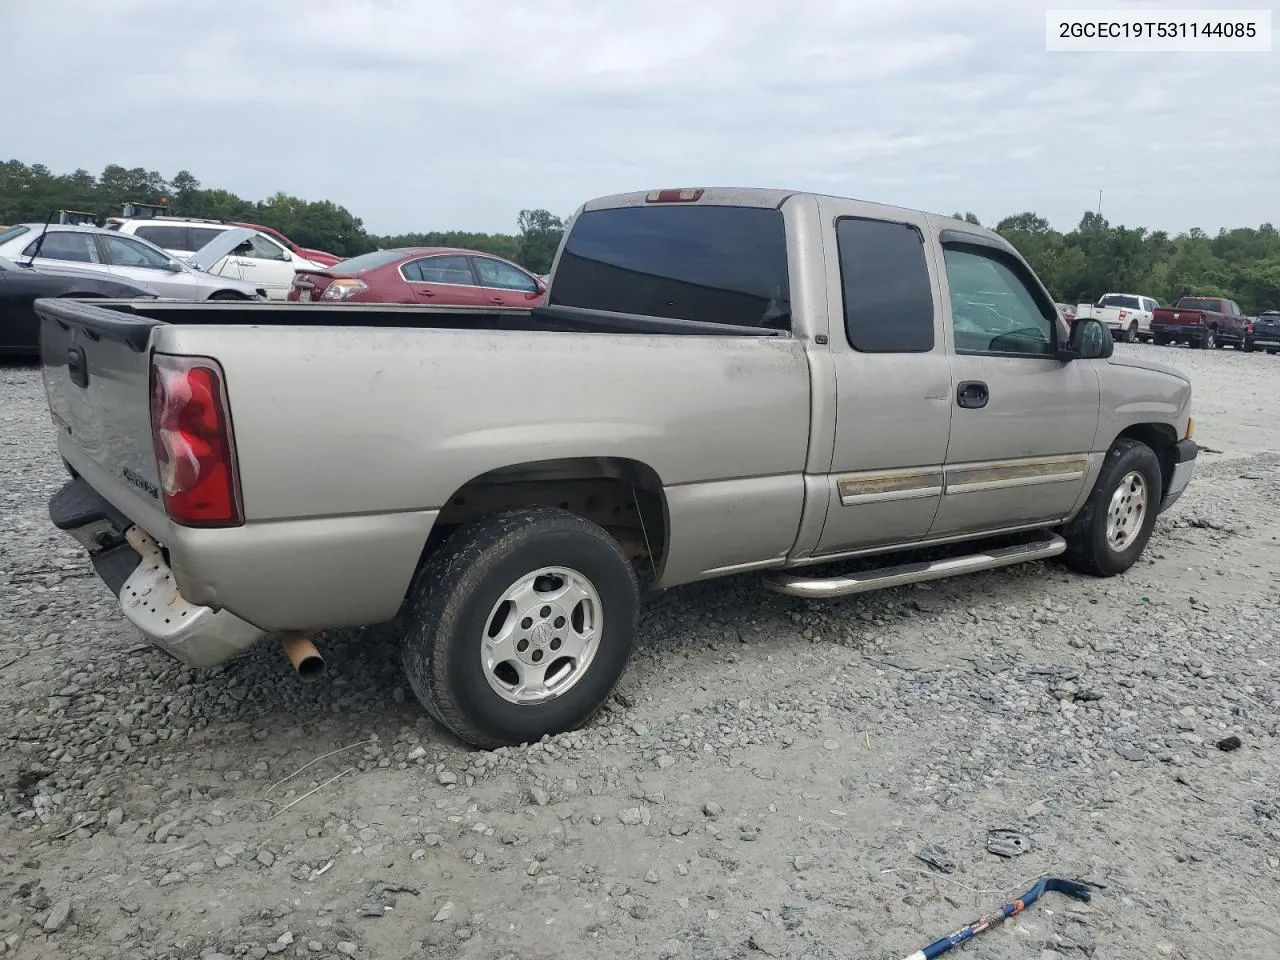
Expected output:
{"points": [[776, 197]]}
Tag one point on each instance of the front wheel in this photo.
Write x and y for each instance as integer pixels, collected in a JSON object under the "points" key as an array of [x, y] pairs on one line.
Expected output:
{"points": [[1110, 532], [520, 625], [1248, 346]]}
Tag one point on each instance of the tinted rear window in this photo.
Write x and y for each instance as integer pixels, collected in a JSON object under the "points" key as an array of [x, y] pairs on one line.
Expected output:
{"points": [[368, 261], [165, 237], [711, 264], [1124, 303], [888, 299], [200, 236], [1194, 303]]}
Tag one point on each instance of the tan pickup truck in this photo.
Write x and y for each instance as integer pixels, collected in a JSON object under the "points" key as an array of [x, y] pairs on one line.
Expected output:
{"points": [[722, 381]]}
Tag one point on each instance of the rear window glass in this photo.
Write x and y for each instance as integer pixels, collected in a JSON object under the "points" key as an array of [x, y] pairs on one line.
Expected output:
{"points": [[368, 261], [165, 237], [888, 298], [1195, 303], [12, 232], [1125, 303], [711, 264]]}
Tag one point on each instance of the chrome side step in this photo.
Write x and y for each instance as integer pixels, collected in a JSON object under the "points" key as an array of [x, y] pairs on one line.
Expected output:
{"points": [[818, 588]]}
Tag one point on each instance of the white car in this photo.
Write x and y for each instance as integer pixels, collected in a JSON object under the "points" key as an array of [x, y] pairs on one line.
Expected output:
{"points": [[260, 259], [1128, 315], [100, 252]]}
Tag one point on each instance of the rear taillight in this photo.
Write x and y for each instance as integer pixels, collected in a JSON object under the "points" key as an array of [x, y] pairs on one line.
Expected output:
{"points": [[191, 433], [343, 289]]}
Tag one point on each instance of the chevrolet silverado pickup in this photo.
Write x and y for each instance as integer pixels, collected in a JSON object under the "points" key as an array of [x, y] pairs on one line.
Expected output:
{"points": [[837, 395], [1200, 322]]}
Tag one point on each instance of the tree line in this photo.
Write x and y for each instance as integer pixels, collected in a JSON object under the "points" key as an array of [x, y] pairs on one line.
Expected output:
{"points": [[1077, 266], [32, 193]]}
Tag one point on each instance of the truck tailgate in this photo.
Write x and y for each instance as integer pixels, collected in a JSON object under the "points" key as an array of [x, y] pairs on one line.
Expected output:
{"points": [[96, 371], [1182, 318]]}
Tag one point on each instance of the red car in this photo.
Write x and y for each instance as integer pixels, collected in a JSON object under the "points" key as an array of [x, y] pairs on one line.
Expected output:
{"points": [[306, 253], [443, 275]]}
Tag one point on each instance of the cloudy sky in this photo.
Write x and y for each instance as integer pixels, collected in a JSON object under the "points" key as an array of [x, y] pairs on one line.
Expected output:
{"points": [[438, 114]]}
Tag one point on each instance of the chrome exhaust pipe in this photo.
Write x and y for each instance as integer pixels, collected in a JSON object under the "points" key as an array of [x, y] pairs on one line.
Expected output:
{"points": [[304, 656]]}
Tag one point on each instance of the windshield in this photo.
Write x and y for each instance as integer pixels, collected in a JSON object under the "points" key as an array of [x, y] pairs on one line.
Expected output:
{"points": [[368, 261], [1128, 303]]}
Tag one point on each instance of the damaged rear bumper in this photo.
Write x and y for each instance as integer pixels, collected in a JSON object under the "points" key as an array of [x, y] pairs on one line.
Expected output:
{"points": [[135, 569]]}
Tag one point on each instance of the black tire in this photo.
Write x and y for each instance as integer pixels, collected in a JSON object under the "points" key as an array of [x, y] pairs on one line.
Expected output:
{"points": [[1088, 548], [1271, 351], [1161, 340], [1247, 346], [226, 295], [1131, 335], [451, 600]]}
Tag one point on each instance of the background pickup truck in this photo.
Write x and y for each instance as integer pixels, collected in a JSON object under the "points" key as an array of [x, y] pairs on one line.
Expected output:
{"points": [[1201, 322], [1264, 331], [723, 381], [1126, 315]]}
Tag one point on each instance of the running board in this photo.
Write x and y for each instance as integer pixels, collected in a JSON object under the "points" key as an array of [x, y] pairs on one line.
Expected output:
{"points": [[821, 588]]}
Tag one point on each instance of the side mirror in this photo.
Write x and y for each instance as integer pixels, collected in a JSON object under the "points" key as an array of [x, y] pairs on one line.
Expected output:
{"points": [[173, 266], [1090, 340], [287, 255], [541, 285]]}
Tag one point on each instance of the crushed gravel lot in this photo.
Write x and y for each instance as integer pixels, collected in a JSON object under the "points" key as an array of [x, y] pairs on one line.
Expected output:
{"points": [[775, 777]]}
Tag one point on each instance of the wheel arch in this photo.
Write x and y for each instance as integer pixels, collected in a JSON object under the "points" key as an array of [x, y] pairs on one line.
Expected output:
{"points": [[1161, 438], [623, 496]]}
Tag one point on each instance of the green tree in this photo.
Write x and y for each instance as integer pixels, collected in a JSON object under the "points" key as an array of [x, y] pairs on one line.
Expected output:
{"points": [[540, 233]]}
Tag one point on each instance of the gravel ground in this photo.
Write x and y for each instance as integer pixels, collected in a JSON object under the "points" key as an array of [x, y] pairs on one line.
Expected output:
{"points": [[775, 778]]}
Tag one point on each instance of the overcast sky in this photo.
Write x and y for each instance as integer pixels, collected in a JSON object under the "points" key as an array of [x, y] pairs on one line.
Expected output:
{"points": [[439, 114]]}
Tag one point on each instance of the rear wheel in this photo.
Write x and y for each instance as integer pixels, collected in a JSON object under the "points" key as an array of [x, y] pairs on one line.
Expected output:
{"points": [[520, 625], [1110, 532], [1207, 339], [1247, 346], [1161, 340], [1131, 335], [1272, 351]]}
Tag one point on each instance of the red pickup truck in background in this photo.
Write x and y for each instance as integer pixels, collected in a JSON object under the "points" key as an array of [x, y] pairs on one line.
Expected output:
{"points": [[1200, 322]]}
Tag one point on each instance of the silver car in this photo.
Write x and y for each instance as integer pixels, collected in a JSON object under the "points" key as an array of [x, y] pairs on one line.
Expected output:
{"points": [[99, 252]]}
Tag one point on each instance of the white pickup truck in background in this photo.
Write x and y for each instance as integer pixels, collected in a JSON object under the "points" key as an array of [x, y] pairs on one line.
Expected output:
{"points": [[1127, 315]]}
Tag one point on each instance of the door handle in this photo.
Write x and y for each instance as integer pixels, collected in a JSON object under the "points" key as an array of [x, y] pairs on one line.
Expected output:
{"points": [[497, 300], [972, 394], [426, 293]]}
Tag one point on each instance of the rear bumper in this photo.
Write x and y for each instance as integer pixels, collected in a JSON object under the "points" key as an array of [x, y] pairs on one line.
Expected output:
{"points": [[1184, 465], [1265, 338], [1182, 331], [136, 571]]}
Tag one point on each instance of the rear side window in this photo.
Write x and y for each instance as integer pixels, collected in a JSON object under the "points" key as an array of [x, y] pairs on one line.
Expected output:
{"points": [[165, 237], [724, 265], [449, 269], [200, 236], [367, 261], [62, 245], [888, 299]]}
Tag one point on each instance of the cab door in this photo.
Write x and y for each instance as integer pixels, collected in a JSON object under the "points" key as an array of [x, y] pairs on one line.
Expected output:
{"points": [[505, 285], [1023, 422], [893, 378]]}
